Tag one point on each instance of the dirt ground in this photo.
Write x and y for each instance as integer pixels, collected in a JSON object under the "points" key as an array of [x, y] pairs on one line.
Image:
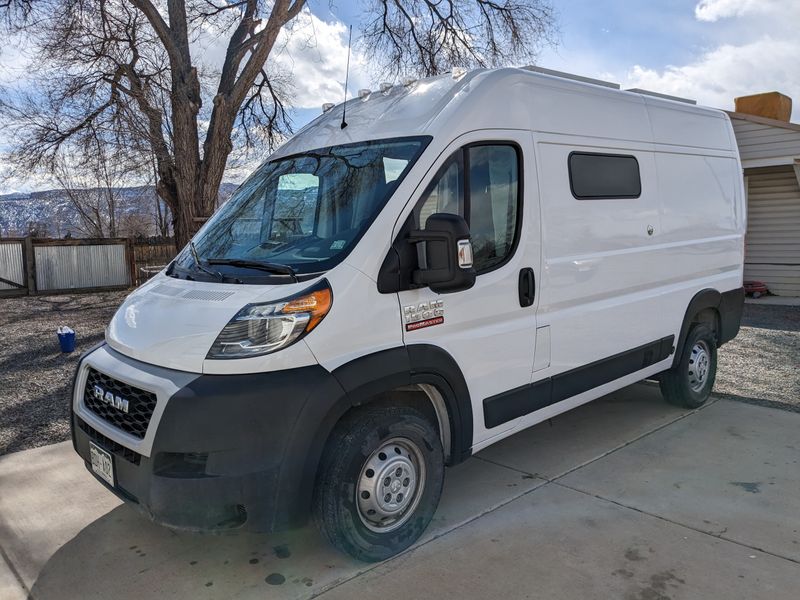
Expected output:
{"points": [[761, 365], [34, 374]]}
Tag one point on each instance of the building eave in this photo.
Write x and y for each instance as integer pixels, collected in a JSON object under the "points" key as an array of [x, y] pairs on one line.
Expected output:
{"points": [[764, 120]]}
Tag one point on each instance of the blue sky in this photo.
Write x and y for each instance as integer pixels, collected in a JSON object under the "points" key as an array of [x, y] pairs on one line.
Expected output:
{"points": [[708, 50]]}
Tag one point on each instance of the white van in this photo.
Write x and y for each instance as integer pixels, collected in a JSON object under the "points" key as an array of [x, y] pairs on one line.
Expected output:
{"points": [[467, 256]]}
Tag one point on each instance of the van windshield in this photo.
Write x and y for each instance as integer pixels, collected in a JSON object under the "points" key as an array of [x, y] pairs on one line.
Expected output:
{"points": [[301, 214]]}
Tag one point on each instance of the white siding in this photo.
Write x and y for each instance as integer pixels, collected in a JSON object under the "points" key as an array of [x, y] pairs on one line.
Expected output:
{"points": [[773, 231], [762, 141]]}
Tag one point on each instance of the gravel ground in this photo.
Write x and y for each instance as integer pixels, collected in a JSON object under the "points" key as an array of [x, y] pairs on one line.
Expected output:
{"points": [[761, 365], [34, 374], [763, 362]]}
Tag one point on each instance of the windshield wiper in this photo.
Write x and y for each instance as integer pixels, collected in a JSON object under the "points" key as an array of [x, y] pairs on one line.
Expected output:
{"points": [[200, 266], [255, 264]]}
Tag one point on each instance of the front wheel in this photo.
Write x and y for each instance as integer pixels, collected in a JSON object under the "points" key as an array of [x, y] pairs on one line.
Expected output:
{"points": [[379, 482], [688, 384]]}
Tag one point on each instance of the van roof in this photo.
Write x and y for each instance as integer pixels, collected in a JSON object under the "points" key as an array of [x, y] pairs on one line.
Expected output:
{"points": [[515, 98]]}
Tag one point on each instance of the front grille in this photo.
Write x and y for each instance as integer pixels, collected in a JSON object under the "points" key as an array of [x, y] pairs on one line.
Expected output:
{"points": [[109, 444], [140, 403]]}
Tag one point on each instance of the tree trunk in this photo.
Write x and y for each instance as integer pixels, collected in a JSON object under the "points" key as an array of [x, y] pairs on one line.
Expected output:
{"points": [[190, 212]]}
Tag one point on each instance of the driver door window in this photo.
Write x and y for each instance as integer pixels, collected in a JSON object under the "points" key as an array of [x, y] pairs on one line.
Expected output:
{"points": [[481, 184]]}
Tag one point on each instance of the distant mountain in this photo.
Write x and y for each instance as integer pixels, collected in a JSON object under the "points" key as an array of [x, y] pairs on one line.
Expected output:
{"points": [[50, 213]]}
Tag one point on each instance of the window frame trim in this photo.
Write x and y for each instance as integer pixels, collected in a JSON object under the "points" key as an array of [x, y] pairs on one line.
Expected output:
{"points": [[608, 155]]}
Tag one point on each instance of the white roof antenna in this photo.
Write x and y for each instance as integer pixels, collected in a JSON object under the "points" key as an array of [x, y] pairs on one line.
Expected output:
{"points": [[346, 78]]}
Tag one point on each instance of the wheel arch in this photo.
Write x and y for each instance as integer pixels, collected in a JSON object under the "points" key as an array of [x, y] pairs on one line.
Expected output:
{"points": [[724, 308], [704, 300], [374, 378]]}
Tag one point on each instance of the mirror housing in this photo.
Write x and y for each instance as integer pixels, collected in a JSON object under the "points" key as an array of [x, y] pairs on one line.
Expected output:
{"points": [[445, 254]]}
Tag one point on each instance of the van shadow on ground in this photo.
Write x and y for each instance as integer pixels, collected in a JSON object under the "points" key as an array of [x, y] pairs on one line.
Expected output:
{"points": [[122, 555]]}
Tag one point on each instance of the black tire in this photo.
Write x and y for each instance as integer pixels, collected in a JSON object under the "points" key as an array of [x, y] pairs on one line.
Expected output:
{"points": [[683, 385], [344, 473]]}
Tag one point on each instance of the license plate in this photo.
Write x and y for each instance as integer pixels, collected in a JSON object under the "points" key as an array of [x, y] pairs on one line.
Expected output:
{"points": [[102, 463]]}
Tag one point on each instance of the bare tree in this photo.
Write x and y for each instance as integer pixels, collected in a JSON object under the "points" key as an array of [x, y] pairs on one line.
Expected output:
{"points": [[429, 37], [95, 197], [135, 225], [122, 71], [15, 9]]}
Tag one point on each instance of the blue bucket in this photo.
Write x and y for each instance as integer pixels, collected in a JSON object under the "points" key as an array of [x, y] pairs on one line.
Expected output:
{"points": [[67, 341]]}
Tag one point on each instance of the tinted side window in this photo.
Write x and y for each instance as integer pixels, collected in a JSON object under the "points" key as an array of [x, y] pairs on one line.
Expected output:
{"points": [[597, 176], [485, 193], [493, 203], [445, 194]]}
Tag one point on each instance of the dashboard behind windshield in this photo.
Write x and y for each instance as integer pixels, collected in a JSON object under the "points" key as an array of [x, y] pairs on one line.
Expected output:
{"points": [[306, 211]]}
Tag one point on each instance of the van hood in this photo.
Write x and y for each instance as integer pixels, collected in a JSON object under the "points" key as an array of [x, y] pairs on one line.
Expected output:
{"points": [[173, 322]]}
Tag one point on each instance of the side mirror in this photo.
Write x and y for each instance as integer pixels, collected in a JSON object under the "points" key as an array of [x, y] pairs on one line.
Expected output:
{"points": [[445, 254]]}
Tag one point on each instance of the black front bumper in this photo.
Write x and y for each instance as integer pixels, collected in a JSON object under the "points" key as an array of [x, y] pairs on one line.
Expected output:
{"points": [[229, 451]]}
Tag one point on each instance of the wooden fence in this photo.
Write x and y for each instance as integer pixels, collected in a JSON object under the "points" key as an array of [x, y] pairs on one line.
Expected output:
{"points": [[150, 258]]}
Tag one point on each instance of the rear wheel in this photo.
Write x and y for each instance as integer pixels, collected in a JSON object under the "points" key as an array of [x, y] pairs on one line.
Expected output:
{"points": [[379, 482], [688, 384]]}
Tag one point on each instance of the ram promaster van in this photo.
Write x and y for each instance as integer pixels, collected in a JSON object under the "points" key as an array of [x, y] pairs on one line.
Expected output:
{"points": [[467, 256]]}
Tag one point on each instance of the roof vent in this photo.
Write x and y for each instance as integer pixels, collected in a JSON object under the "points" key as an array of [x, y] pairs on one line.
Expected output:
{"points": [[327, 106], [662, 96], [407, 81], [364, 93], [385, 87], [572, 76]]}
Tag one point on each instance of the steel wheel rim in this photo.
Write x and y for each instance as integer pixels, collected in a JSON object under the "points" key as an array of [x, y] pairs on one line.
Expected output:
{"points": [[699, 365], [390, 485]]}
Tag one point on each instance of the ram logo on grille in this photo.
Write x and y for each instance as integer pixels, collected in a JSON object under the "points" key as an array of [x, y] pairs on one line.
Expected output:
{"points": [[110, 399]]}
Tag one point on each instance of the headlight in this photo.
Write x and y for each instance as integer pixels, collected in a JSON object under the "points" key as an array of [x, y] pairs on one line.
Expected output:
{"points": [[263, 328]]}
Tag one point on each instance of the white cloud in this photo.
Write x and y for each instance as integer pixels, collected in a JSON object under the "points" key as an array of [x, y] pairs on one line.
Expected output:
{"points": [[720, 75], [315, 53], [757, 52], [714, 10], [312, 52], [14, 59]]}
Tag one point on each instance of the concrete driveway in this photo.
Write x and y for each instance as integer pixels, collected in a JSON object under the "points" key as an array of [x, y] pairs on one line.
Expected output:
{"points": [[623, 498]]}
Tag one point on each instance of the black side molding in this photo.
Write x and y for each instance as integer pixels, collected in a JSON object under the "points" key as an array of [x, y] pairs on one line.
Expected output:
{"points": [[521, 401]]}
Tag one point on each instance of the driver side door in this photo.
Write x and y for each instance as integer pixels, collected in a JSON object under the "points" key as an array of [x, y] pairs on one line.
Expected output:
{"points": [[489, 329]]}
